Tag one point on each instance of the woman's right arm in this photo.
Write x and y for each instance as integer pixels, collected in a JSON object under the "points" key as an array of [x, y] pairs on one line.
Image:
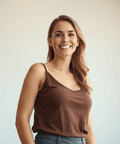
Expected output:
{"points": [[29, 91]]}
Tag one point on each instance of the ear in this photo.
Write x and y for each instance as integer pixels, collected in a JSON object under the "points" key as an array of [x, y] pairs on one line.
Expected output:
{"points": [[49, 41]]}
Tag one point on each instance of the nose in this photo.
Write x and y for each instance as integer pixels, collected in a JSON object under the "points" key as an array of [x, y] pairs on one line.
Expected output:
{"points": [[65, 39]]}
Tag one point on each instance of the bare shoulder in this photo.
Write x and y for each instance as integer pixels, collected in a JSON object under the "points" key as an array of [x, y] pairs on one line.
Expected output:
{"points": [[37, 67], [36, 71]]}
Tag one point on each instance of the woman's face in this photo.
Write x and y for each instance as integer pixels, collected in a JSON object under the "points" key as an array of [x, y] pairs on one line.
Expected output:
{"points": [[64, 39]]}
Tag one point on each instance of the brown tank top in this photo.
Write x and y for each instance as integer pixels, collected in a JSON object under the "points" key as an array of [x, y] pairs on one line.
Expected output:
{"points": [[60, 110]]}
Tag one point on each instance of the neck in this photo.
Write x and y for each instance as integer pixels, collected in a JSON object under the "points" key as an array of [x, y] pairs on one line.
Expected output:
{"points": [[62, 64]]}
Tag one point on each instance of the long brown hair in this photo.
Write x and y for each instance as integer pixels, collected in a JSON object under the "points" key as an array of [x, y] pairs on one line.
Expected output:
{"points": [[77, 65]]}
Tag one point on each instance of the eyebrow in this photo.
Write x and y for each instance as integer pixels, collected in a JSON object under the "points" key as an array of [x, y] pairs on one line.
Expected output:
{"points": [[68, 31]]}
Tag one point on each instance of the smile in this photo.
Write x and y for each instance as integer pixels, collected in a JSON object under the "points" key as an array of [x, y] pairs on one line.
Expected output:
{"points": [[65, 47]]}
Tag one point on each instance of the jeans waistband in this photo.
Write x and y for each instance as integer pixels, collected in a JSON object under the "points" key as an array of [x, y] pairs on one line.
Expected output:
{"points": [[44, 134]]}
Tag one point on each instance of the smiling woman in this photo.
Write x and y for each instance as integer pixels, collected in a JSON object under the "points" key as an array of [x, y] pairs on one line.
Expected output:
{"points": [[68, 32], [59, 91], [64, 39]]}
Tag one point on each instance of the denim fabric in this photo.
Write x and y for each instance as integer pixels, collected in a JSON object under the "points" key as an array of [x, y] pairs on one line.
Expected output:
{"points": [[47, 138]]}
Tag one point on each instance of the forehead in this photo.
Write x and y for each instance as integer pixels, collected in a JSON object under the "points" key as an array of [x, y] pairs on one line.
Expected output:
{"points": [[63, 26]]}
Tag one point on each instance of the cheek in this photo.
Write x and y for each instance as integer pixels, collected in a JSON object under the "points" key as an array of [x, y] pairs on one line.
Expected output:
{"points": [[56, 40], [75, 41]]}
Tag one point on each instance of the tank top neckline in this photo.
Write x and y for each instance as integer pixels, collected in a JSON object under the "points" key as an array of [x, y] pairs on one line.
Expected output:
{"points": [[59, 82]]}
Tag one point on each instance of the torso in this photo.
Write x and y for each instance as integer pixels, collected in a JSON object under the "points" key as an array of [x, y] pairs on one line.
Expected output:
{"points": [[68, 80]]}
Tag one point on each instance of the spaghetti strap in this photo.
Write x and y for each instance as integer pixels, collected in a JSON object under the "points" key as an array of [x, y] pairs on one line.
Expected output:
{"points": [[44, 66]]}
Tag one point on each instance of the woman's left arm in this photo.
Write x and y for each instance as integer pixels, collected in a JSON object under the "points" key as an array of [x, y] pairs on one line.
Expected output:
{"points": [[90, 138]]}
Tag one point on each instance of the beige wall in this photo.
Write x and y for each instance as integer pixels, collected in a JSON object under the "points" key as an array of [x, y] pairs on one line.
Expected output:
{"points": [[23, 41]]}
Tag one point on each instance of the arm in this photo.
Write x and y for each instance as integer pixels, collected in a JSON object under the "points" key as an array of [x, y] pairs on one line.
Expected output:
{"points": [[26, 103], [90, 138]]}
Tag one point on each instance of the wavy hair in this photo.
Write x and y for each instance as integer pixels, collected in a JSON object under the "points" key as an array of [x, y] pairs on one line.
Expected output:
{"points": [[77, 65]]}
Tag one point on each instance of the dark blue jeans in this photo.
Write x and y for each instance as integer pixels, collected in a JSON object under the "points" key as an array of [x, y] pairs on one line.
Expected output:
{"points": [[47, 138]]}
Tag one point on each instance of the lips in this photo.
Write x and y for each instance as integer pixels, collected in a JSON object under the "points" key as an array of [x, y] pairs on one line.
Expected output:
{"points": [[65, 46]]}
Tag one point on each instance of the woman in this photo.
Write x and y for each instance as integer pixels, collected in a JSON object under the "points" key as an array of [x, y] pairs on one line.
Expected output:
{"points": [[59, 91]]}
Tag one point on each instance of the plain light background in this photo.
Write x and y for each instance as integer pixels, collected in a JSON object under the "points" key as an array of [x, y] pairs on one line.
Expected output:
{"points": [[23, 41]]}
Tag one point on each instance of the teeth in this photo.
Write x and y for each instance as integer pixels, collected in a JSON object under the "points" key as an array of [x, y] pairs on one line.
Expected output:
{"points": [[64, 46]]}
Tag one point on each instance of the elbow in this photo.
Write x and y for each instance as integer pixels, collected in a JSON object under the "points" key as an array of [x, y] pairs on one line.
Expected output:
{"points": [[20, 120], [19, 123]]}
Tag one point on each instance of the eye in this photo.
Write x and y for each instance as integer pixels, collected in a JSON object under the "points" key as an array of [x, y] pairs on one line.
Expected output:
{"points": [[58, 35], [71, 34]]}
